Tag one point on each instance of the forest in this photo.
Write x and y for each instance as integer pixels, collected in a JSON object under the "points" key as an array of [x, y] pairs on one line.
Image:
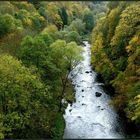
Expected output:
{"points": [[40, 44], [116, 56]]}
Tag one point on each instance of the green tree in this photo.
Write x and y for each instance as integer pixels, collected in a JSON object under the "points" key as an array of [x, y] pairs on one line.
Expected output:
{"points": [[7, 24], [64, 16], [77, 26], [65, 57], [22, 97], [88, 20], [34, 51], [73, 36]]}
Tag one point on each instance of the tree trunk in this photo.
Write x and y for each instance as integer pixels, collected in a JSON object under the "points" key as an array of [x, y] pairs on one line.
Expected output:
{"points": [[64, 83]]}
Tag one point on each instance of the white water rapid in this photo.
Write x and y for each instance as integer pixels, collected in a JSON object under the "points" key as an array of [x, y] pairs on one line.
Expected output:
{"points": [[90, 116]]}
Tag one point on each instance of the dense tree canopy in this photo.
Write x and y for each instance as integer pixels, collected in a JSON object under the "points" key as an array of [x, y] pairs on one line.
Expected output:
{"points": [[39, 47], [115, 55], [21, 92]]}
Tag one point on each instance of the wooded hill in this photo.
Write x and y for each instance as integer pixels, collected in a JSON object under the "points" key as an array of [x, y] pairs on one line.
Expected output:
{"points": [[116, 56], [39, 46]]}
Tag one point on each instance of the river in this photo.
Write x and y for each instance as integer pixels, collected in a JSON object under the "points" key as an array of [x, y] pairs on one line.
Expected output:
{"points": [[90, 116]]}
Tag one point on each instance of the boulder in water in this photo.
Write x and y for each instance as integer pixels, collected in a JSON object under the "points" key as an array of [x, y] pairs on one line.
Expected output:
{"points": [[98, 94], [73, 84], [82, 90], [69, 101], [87, 72]]}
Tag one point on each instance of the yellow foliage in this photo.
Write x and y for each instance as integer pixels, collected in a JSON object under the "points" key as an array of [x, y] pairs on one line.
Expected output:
{"points": [[138, 71], [41, 18], [134, 40], [129, 48], [50, 29], [28, 22]]}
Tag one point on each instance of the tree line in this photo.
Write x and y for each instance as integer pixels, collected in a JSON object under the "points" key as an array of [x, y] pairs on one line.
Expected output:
{"points": [[116, 56], [39, 47]]}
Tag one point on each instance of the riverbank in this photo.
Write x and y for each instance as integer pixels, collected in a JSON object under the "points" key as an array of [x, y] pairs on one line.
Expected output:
{"points": [[130, 129], [115, 55]]}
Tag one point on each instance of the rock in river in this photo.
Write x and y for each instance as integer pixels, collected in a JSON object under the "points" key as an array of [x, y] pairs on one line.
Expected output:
{"points": [[98, 94], [86, 71]]}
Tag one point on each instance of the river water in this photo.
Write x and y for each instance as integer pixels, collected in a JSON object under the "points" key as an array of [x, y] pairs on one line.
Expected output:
{"points": [[90, 116]]}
